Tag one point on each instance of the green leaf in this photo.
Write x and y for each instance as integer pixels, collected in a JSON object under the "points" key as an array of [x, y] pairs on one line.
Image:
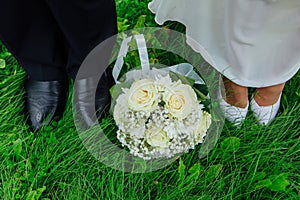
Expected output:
{"points": [[2, 63], [279, 183], [31, 195], [259, 176], [52, 139], [116, 90], [263, 183], [200, 95], [213, 172], [221, 185], [35, 194], [298, 94], [123, 25], [140, 22], [181, 170], [201, 88], [62, 185], [184, 80], [4, 54], [18, 147], [194, 172], [54, 124], [39, 192], [195, 168], [231, 144]]}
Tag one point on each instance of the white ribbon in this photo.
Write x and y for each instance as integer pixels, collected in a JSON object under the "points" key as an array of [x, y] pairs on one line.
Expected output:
{"points": [[184, 69]]}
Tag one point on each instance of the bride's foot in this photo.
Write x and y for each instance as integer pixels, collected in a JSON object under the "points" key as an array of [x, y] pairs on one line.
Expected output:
{"points": [[264, 114], [266, 102], [233, 114], [235, 104]]}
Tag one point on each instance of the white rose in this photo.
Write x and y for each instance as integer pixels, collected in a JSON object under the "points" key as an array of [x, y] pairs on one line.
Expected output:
{"points": [[134, 127], [157, 137], [120, 111], [200, 132], [180, 99], [143, 95]]}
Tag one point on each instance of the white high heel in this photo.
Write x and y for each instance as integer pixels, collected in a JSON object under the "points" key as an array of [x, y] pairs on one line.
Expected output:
{"points": [[264, 114], [232, 113]]}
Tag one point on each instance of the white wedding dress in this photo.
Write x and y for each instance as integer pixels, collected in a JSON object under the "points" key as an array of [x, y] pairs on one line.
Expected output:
{"points": [[254, 43]]}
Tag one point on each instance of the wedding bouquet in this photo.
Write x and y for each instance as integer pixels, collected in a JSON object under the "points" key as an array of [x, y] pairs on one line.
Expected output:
{"points": [[160, 118], [157, 110]]}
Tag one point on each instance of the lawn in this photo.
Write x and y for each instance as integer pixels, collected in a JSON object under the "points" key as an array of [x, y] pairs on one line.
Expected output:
{"points": [[253, 162]]}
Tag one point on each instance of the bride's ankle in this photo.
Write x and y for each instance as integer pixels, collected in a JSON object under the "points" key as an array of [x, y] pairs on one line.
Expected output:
{"points": [[266, 100], [269, 95], [235, 95], [237, 100]]}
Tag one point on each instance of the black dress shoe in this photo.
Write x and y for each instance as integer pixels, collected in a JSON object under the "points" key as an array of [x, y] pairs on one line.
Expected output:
{"points": [[45, 100], [90, 96], [103, 97]]}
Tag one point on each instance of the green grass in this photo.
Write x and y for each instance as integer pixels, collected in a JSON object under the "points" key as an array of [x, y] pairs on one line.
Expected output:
{"points": [[254, 162]]}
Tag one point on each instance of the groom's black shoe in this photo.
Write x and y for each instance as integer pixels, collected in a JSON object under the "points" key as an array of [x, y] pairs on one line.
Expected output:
{"points": [[91, 96], [103, 97], [45, 100]]}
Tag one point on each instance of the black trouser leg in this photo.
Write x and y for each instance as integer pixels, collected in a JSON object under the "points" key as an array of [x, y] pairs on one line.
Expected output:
{"points": [[84, 24], [52, 37], [31, 33]]}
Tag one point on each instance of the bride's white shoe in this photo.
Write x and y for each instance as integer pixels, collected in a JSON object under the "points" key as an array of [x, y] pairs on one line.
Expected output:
{"points": [[232, 113], [264, 114]]}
